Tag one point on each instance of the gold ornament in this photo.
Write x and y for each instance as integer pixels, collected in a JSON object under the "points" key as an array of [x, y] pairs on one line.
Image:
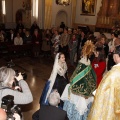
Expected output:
{"points": [[88, 48]]}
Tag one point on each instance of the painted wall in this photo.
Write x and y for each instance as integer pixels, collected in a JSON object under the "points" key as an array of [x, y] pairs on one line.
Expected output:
{"points": [[83, 19], [40, 20], [9, 10], [9, 14], [17, 4], [13, 5]]}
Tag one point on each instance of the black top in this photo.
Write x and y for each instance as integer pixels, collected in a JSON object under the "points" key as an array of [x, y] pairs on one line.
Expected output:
{"points": [[47, 112]]}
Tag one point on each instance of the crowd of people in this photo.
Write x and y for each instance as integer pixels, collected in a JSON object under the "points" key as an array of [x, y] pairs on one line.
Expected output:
{"points": [[87, 94], [47, 42], [84, 95]]}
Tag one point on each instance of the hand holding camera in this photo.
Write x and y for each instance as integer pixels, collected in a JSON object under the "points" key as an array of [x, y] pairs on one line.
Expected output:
{"points": [[19, 77]]}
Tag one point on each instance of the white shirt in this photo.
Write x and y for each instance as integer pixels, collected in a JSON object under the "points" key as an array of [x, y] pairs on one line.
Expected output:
{"points": [[18, 41], [111, 45]]}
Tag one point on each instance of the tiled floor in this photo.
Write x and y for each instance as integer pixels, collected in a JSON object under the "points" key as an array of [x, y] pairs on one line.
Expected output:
{"points": [[38, 71]]}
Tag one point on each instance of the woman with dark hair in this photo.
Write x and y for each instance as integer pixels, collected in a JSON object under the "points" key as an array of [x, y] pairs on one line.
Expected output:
{"points": [[102, 42], [99, 64], [58, 78], [18, 40]]}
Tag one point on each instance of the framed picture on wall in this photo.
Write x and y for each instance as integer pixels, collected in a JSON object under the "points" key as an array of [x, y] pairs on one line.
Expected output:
{"points": [[88, 7]]}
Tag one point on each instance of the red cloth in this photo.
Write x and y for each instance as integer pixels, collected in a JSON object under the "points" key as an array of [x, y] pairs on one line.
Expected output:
{"points": [[99, 68]]}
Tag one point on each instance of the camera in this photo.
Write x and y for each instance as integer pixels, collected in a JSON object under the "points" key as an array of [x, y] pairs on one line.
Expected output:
{"points": [[23, 74], [16, 83], [8, 105], [11, 64]]}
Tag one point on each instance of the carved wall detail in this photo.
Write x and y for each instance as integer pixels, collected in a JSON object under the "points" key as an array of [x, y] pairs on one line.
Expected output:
{"points": [[108, 14]]}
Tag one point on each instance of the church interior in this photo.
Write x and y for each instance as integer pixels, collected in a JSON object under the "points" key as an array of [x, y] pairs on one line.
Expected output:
{"points": [[95, 17]]}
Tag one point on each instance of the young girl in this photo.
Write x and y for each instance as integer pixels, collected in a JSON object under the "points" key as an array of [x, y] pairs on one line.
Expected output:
{"points": [[58, 79], [99, 64]]}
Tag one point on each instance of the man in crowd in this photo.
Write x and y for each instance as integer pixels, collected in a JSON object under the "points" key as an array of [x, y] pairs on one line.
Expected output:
{"points": [[51, 111]]}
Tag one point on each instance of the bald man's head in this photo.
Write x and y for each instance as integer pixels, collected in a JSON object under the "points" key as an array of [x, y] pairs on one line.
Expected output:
{"points": [[3, 115]]}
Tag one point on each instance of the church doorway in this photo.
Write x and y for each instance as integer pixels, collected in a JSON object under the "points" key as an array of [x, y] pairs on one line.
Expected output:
{"points": [[61, 17]]}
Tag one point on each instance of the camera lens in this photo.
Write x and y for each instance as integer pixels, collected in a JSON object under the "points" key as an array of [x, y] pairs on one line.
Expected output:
{"points": [[24, 76]]}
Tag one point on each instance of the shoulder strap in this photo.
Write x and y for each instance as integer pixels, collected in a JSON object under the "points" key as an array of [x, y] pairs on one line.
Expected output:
{"points": [[5, 88]]}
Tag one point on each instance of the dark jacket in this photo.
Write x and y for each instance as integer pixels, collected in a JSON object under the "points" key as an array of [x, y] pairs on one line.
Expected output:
{"points": [[27, 39], [10, 37], [48, 112]]}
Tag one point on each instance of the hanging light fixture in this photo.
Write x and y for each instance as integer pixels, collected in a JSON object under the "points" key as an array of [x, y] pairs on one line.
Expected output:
{"points": [[63, 2]]}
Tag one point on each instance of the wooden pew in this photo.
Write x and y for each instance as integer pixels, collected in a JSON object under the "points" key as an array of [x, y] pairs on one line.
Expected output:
{"points": [[19, 50]]}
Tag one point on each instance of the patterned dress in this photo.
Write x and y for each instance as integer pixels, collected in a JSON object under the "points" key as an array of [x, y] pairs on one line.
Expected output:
{"points": [[77, 95]]}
